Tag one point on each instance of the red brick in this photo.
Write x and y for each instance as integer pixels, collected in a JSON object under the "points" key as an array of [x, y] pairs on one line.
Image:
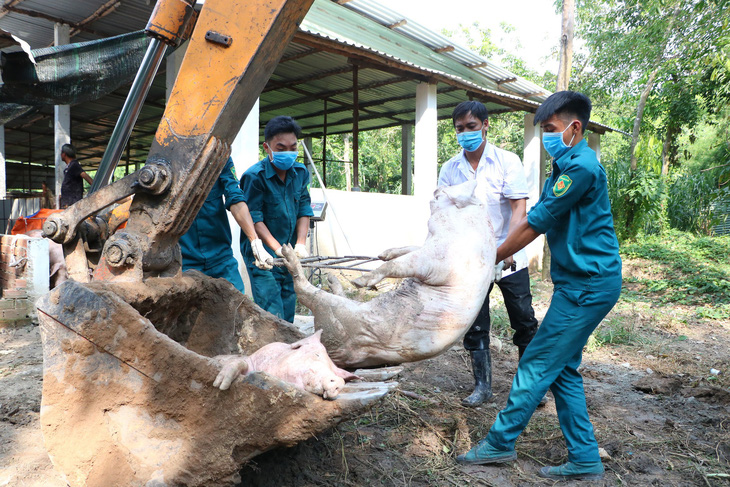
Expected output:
{"points": [[15, 293], [14, 314], [21, 283]]}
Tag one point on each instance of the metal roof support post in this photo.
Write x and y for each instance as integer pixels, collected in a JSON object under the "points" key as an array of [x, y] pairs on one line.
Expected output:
{"points": [[3, 191], [594, 142], [425, 175], [61, 115], [532, 162], [406, 158], [355, 130], [307, 141], [324, 145]]}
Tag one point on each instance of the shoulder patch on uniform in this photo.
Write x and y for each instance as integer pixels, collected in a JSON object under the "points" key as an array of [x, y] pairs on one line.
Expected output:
{"points": [[562, 185], [233, 171]]}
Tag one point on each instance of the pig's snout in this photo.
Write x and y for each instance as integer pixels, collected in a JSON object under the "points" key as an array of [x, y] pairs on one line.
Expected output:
{"points": [[332, 387]]}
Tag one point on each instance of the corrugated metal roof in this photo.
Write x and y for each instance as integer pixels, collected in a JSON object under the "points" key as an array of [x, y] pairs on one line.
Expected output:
{"points": [[434, 40], [316, 70]]}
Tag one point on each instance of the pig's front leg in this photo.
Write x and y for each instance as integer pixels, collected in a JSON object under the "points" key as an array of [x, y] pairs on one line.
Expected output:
{"points": [[419, 264], [391, 254], [233, 366], [304, 289]]}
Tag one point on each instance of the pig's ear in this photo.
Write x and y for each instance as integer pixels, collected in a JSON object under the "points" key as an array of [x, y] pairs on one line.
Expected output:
{"points": [[348, 376], [462, 195]]}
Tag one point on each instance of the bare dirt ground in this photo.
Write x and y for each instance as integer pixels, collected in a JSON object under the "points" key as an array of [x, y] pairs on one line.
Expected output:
{"points": [[658, 409]]}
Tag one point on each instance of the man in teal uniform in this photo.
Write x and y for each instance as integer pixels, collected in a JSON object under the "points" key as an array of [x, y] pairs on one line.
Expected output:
{"points": [[276, 190], [575, 215], [206, 246]]}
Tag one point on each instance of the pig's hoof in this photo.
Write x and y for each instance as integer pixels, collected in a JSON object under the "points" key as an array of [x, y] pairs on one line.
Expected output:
{"points": [[363, 281], [291, 261]]}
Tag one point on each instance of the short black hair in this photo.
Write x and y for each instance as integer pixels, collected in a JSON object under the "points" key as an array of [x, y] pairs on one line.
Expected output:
{"points": [[281, 125], [476, 108], [564, 103], [69, 150]]}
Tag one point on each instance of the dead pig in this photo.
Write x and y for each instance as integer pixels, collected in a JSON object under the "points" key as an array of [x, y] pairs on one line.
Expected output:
{"points": [[446, 282], [304, 364]]}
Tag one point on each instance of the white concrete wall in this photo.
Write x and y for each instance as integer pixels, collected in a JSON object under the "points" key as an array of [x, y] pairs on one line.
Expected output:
{"points": [[425, 167], [2, 163], [368, 223], [245, 153], [62, 115], [38, 266], [532, 159], [594, 142]]}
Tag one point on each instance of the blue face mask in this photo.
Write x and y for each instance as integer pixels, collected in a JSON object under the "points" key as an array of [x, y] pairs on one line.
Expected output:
{"points": [[285, 159], [470, 141], [554, 144]]}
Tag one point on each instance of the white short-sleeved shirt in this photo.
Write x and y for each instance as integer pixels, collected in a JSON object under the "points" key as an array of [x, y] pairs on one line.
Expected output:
{"points": [[504, 179]]}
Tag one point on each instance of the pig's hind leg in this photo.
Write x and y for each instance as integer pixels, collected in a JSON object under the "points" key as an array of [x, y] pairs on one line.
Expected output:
{"points": [[335, 286], [412, 264]]}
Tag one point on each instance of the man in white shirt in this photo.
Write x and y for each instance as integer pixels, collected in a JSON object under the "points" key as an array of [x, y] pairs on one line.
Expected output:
{"points": [[507, 193]]}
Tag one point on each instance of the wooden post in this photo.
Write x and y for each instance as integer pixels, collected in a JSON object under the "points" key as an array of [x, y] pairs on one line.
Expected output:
{"points": [[566, 46]]}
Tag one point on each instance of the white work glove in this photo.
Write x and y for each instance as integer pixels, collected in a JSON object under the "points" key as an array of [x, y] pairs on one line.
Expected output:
{"points": [[279, 252], [263, 258], [301, 251], [498, 271]]}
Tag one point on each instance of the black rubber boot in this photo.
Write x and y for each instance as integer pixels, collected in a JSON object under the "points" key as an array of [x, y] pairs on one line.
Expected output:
{"points": [[481, 364], [521, 352]]}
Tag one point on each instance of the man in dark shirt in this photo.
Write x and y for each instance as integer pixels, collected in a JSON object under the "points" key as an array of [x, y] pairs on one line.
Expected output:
{"points": [[72, 188]]}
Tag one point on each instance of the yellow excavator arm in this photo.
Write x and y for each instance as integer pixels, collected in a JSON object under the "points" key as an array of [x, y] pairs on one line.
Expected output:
{"points": [[234, 48]]}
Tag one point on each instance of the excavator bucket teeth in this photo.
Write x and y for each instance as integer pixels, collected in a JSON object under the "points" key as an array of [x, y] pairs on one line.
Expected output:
{"points": [[126, 404]]}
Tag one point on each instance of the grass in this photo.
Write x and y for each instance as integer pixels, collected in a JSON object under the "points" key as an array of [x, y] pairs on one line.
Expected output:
{"points": [[615, 330], [688, 270]]}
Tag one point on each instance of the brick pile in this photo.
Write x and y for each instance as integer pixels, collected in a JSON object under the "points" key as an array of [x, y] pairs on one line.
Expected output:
{"points": [[16, 306]]}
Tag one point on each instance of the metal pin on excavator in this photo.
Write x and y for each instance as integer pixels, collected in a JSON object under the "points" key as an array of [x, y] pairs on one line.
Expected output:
{"points": [[127, 391]]}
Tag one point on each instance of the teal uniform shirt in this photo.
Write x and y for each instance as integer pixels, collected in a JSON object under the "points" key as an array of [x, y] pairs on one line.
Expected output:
{"points": [[207, 244], [278, 204], [574, 213]]}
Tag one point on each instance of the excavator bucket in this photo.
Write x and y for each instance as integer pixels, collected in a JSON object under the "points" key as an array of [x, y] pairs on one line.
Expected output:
{"points": [[127, 388]]}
